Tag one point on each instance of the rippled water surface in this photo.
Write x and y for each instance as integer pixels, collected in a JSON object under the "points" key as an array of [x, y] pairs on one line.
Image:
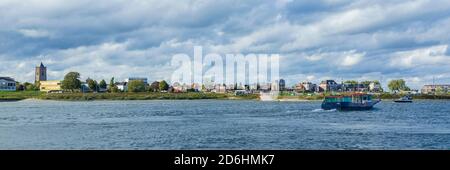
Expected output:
{"points": [[221, 124]]}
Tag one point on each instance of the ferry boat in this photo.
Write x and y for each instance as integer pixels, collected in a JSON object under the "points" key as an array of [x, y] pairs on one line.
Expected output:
{"points": [[404, 99], [355, 101]]}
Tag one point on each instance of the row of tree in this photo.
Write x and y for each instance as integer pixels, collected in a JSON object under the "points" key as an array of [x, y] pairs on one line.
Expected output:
{"points": [[72, 83]]}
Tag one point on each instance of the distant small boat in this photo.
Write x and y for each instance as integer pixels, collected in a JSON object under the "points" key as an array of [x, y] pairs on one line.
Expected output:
{"points": [[355, 101], [404, 99]]}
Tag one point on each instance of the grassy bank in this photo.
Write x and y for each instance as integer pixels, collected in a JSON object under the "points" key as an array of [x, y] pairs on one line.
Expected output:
{"points": [[385, 96], [11, 96], [14, 96]]}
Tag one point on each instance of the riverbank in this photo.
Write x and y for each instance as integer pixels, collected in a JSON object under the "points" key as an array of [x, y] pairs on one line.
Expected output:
{"points": [[384, 96], [15, 96]]}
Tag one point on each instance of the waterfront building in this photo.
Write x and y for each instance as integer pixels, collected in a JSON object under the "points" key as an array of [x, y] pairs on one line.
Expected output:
{"points": [[196, 87], [375, 87], [275, 86], [282, 85], [143, 79], [7, 84], [433, 89], [308, 86], [50, 86], [122, 86], [40, 73], [177, 87], [85, 87], [219, 88], [328, 85], [265, 86]]}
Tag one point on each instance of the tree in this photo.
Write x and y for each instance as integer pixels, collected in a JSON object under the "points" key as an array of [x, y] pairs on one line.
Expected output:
{"points": [[351, 82], [115, 89], [92, 84], [30, 86], [398, 85], [366, 83], [163, 86], [19, 87], [439, 90], [154, 87], [71, 81], [102, 84], [111, 85], [136, 86]]}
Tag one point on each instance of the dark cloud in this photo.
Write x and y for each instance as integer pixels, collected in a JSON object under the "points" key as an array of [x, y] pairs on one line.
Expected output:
{"points": [[320, 39]]}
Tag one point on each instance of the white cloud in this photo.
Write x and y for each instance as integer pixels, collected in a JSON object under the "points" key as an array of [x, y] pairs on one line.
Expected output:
{"points": [[32, 33], [351, 58], [435, 55]]}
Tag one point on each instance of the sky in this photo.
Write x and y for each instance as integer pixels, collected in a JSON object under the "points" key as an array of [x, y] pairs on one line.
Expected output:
{"points": [[316, 40]]}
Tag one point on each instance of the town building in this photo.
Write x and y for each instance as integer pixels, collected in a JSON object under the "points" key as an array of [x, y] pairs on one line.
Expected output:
{"points": [[40, 73], [7, 84], [143, 79], [375, 87], [50, 86], [282, 85], [122, 86], [433, 89], [219, 88], [306, 87], [328, 85]]}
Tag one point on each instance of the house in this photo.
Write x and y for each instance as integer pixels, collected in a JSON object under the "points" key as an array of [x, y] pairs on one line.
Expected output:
{"points": [[7, 84], [122, 86], [177, 87], [85, 87], [433, 89], [305, 87], [219, 88], [375, 87], [328, 85], [50, 86]]}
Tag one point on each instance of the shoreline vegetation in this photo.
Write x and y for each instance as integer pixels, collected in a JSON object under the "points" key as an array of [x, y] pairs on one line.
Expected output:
{"points": [[22, 95]]}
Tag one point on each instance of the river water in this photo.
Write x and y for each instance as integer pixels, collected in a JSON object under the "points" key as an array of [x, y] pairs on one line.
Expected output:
{"points": [[221, 124]]}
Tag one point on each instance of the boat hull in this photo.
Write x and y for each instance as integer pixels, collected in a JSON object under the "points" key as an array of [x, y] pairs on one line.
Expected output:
{"points": [[403, 101], [348, 105]]}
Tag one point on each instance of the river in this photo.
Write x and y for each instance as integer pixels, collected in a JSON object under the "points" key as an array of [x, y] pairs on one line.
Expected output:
{"points": [[221, 124]]}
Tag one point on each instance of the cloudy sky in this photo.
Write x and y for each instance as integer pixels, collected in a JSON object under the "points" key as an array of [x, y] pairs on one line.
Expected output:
{"points": [[317, 39]]}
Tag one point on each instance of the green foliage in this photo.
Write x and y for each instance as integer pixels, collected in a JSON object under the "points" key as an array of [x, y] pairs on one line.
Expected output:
{"points": [[398, 85], [163, 86], [136, 86], [351, 82], [103, 84], [111, 85], [71, 81], [92, 84], [115, 89], [366, 83], [154, 87]]}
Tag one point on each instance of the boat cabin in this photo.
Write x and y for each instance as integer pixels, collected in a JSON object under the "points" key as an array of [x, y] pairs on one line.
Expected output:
{"points": [[354, 98]]}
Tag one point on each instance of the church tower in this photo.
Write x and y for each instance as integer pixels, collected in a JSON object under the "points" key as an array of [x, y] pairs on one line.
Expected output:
{"points": [[41, 73]]}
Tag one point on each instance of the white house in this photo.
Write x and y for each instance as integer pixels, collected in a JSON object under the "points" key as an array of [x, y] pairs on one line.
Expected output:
{"points": [[7, 84], [122, 86]]}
